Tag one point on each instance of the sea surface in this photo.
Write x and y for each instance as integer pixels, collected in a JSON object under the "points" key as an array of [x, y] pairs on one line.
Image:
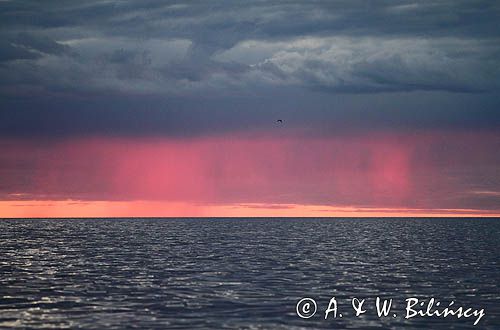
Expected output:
{"points": [[243, 273]]}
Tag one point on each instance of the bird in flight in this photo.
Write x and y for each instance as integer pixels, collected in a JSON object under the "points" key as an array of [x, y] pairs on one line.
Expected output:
{"points": [[279, 121]]}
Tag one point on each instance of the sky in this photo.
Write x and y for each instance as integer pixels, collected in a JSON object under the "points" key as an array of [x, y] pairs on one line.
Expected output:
{"points": [[158, 108]]}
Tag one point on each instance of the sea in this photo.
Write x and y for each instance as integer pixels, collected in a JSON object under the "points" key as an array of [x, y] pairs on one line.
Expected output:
{"points": [[248, 273]]}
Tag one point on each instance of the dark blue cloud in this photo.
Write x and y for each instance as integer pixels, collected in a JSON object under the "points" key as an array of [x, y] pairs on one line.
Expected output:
{"points": [[181, 69]]}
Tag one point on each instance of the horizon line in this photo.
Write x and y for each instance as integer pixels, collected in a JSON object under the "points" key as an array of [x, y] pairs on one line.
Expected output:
{"points": [[264, 217]]}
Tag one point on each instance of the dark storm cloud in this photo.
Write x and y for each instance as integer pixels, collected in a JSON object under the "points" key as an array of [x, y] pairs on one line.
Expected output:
{"points": [[140, 67], [22, 46]]}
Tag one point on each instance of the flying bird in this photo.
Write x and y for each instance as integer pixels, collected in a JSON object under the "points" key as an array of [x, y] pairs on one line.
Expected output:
{"points": [[279, 121]]}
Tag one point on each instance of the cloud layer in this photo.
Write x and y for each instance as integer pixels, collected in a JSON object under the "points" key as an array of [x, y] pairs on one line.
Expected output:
{"points": [[127, 67], [432, 171]]}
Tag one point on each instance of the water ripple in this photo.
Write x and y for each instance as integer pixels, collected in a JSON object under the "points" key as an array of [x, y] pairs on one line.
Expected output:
{"points": [[239, 273]]}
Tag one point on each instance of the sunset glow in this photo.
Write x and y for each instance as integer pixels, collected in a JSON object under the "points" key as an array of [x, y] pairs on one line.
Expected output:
{"points": [[140, 209], [375, 175]]}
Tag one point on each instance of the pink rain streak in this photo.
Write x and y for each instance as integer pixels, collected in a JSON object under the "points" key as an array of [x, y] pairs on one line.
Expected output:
{"points": [[426, 170]]}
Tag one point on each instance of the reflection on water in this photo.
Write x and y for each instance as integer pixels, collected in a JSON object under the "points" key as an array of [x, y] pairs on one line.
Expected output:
{"points": [[241, 273]]}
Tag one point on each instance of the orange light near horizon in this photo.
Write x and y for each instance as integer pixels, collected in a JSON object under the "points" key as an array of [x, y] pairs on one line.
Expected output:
{"points": [[115, 209]]}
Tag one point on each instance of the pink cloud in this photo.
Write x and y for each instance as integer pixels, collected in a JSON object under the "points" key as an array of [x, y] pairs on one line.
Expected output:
{"points": [[404, 170]]}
